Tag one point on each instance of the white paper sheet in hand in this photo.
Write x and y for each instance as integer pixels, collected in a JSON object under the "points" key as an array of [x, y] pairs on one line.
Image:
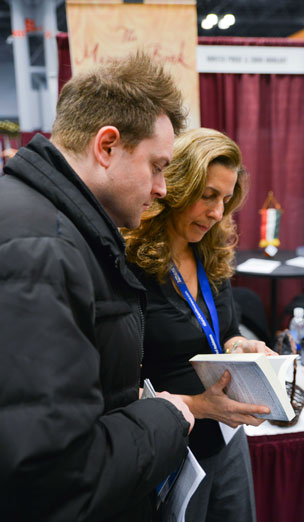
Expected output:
{"points": [[263, 266], [190, 477], [175, 499]]}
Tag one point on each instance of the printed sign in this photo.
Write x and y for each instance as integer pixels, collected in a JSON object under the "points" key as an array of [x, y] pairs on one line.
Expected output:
{"points": [[250, 59], [100, 31]]}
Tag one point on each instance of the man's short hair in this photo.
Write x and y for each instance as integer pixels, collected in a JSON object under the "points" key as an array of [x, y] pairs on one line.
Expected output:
{"points": [[128, 94]]}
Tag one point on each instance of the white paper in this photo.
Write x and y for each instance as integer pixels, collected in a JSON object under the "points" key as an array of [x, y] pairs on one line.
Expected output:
{"points": [[227, 432], [296, 261], [190, 477], [174, 499], [148, 390], [263, 266]]}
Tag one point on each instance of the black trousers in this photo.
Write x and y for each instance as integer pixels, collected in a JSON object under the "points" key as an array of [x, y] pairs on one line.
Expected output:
{"points": [[226, 493]]}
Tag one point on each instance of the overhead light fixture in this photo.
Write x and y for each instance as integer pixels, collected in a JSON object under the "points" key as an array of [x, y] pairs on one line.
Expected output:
{"points": [[226, 21], [209, 21], [230, 18], [212, 18]]}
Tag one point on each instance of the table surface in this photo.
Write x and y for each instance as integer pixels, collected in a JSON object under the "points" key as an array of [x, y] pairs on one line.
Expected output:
{"points": [[266, 428], [281, 271]]}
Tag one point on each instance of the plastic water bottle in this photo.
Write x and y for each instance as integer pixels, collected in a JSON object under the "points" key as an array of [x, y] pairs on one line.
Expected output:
{"points": [[296, 328], [302, 352]]}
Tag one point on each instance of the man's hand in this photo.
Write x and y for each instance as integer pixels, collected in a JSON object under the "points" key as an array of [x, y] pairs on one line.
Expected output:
{"points": [[179, 403], [215, 404]]}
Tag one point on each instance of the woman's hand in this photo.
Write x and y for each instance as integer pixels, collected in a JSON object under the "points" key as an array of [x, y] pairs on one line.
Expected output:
{"points": [[215, 404], [243, 345]]}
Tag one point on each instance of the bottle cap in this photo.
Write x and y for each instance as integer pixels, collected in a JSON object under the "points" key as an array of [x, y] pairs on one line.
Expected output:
{"points": [[298, 312]]}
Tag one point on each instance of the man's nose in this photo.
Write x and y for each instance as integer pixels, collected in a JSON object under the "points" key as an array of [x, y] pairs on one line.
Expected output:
{"points": [[159, 189]]}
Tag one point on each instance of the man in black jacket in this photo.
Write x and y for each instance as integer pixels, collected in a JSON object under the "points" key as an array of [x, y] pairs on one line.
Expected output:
{"points": [[76, 444]]}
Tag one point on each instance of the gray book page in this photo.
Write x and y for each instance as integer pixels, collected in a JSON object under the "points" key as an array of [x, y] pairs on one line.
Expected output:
{"points": [[249, 384]]}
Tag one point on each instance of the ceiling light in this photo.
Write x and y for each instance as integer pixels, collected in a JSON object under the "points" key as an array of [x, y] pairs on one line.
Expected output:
{"points": [[212, 18], [230, 18], [206, 25], [223, 24], [209, 21], [226, 21]]}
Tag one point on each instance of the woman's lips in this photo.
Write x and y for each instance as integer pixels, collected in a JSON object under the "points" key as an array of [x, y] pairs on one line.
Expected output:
{"points": [[203, 228]]}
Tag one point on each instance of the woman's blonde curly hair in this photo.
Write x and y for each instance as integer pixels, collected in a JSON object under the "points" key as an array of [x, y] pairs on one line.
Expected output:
{"points": [[194, 151]]}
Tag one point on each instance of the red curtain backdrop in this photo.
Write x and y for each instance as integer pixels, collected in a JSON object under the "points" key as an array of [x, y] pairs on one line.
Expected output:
{"points": [[264, 114], [64, 60], [278, 472], [27, 136]]}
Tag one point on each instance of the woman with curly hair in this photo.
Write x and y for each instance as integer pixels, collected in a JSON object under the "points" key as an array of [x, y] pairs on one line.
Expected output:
{"points": [[183, 252]]}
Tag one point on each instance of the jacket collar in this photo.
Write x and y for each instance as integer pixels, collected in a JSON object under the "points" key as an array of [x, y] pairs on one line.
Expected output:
{"points": [[41, 165]]}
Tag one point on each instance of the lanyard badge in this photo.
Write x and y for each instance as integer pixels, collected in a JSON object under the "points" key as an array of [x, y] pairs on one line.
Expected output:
{"points": [[213, 335]]}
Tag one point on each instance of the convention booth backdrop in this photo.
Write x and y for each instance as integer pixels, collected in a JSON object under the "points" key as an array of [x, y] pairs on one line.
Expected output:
{"points": [[264, 114]]}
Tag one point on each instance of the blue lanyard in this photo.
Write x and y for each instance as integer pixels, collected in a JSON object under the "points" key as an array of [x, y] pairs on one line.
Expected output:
{"points": [[213, 338]]}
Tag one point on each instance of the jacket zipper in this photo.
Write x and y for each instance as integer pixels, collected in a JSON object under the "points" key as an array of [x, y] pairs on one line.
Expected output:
{"points": [[142, 329]]}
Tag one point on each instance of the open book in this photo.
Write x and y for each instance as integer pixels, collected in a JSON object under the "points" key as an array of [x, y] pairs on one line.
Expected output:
{"points": [[255, 379]]}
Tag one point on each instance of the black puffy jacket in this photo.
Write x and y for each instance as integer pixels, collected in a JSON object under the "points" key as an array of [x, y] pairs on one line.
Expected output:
{"points": [[75, 443]]}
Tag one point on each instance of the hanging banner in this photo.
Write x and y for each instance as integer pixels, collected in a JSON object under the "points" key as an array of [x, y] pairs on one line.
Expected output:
{"points": [[100, 31]]}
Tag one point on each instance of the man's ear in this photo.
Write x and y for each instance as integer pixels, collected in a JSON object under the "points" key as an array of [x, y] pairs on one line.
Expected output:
{"points": [[106, 138]]}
